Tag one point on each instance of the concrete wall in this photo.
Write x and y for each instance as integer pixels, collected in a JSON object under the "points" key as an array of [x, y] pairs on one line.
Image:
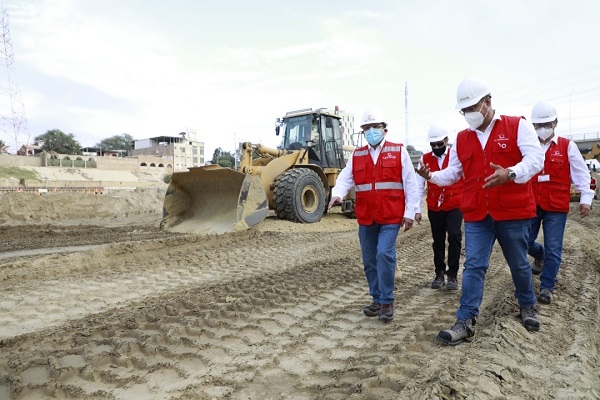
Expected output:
{"points": [[9, 160], [103, 162]]}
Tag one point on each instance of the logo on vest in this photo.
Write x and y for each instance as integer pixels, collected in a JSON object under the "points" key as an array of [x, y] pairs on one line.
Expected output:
{"points": [[501, 138], [557, 153], [387, 156]]}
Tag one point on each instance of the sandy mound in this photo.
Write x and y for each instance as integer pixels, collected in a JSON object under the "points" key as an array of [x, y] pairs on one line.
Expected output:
{"points": [[74, 208]]}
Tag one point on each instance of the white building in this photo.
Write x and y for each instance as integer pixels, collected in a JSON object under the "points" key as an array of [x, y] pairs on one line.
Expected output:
{"points": [[179, 151]]}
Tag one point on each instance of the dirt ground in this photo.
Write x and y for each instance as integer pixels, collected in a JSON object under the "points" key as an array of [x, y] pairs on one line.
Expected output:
{"points": [[97, 303]]}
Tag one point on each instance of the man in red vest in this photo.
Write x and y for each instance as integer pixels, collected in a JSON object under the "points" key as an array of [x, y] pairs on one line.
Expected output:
{"points": [[552, 189], [386, 199], [497, 155], [443, 211]]}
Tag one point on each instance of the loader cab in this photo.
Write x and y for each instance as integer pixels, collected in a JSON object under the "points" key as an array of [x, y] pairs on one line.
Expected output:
{"points": [[318, 132]]}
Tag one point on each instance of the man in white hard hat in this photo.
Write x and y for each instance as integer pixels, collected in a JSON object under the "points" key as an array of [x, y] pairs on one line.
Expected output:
{"points": [[551, 186], [386, 198], [497, 155], [443, 211]]}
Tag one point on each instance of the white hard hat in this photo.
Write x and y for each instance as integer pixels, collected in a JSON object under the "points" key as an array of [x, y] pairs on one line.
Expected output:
{"points": [[436, 133], [372, 117], [543, 112], [470, 91]]}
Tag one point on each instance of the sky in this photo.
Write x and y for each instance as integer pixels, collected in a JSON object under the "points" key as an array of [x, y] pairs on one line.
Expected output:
{"points": [[228, 69]]}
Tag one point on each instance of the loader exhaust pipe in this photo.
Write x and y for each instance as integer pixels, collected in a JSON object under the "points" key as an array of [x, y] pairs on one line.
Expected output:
{"points": [[213, 200]]}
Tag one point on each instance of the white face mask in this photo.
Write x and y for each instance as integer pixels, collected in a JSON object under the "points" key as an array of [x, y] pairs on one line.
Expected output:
{"points": [[544, 133], [475, 118]]}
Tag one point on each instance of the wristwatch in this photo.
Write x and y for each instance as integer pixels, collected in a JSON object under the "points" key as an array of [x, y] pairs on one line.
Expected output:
{"points": [[511, 174]]}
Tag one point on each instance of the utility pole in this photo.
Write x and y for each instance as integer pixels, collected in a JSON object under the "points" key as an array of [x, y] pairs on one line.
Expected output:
{"points": [[235, 151], [570, 131], [12, 110], [406, 113]]}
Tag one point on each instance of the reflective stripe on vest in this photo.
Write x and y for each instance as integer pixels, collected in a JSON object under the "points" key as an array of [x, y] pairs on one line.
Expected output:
{"points": [[392, 148], [361, 153], [380, 185], [389, 185]]}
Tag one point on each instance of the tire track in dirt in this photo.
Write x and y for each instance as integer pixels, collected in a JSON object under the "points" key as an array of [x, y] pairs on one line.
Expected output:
{"points": [[156, 267], [293, 328], [302, 321]]}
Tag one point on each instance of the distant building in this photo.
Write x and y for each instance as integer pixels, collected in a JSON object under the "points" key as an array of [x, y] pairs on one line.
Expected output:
{"points": [[98, 151], [29, 150], [179, 151], [347, 122]]}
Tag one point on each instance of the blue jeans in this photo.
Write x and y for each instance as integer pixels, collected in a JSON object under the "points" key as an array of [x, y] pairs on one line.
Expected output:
{"points": [[378, 246], [551, 252], [480, 237]]}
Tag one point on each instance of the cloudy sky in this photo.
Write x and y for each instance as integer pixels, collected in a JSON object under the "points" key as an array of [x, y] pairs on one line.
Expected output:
{"points": [[228, 69]]}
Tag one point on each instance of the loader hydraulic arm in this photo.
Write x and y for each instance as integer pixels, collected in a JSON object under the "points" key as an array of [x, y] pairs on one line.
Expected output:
{"points": [[269, 153]]}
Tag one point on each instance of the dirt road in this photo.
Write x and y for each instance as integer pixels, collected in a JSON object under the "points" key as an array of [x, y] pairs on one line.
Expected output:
{"points": [[130, 312]]}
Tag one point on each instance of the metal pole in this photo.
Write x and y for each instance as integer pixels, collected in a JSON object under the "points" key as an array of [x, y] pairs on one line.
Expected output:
{"points": [[406, 112], [570, 131]]}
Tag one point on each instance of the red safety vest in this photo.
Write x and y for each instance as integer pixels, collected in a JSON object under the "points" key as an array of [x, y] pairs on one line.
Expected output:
{"points": [[442, 198], [509, 201], [379, 188], [552, 185]]}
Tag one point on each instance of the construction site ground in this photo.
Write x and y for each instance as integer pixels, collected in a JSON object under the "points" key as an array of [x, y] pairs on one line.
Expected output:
{"points": [[96, 302]]}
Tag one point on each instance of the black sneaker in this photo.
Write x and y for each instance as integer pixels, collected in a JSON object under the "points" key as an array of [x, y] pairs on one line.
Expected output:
{"points": [[452, 283], [438, 282], [461, 331], [386, 314], [529, 318], [372, 310]]}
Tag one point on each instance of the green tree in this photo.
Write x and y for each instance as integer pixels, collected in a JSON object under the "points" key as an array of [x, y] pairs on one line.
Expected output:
{"points": [[117, 142], [3, 147], [60, 142], [216, 155], [223, 158]]}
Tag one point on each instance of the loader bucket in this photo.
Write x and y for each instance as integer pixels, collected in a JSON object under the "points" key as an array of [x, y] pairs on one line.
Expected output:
{"points": [[213, 200]]}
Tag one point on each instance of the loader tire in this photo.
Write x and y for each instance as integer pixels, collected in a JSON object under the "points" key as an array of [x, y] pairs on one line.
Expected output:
{"points": [[299, 196]]}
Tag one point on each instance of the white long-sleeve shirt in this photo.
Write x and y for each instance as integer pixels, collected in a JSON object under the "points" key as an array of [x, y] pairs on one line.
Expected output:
{"points": [[527, 141], [345, 180], [580, 175]]}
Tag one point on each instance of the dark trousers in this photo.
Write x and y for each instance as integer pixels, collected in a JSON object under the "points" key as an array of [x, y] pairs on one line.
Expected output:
{"points": [[442, 223]]}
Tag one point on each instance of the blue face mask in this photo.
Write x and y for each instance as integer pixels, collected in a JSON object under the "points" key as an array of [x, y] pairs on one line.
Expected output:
{"points": [[374, 136]]}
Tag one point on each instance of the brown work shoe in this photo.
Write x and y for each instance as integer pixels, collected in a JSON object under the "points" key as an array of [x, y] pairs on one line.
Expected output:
{"points": [[386, 314], [529, 318], [462, 331], [537, 266], [372, 310], [545, 296]]}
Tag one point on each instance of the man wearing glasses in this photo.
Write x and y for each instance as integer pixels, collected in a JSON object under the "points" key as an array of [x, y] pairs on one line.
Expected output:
{"points": [[386, 199], [552, 189], [497, 155], [443, 211]]}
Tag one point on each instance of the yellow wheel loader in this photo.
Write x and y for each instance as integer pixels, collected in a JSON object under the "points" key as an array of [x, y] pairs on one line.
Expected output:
{"points": [[294, 180]]}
